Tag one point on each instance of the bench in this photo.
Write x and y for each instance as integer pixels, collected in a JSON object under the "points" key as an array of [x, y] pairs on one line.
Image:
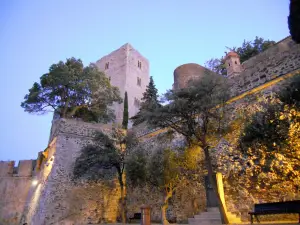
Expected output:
{"points": [[275, 208], [136, 216]]}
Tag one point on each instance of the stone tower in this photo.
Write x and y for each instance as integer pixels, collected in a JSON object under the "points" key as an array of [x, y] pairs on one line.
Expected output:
{"points": [[233, 65], [185, 74], [128, 70]]}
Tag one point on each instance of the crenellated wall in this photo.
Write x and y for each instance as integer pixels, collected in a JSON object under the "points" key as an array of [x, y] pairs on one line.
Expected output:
{"points": [[42, 191], [15, 185]]}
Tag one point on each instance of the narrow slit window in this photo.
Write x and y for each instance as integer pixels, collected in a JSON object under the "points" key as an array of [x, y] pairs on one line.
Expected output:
{"points": [[139, 81], [107, 65]]}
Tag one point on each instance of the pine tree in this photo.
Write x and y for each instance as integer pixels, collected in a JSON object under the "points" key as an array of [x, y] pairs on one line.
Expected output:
{"points": [[294, 20], [149, 103], [125, 112]]}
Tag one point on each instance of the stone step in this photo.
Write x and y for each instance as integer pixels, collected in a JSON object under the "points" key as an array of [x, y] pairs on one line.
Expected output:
{"points": [[200, 217], [193, 221], [213, 209]]}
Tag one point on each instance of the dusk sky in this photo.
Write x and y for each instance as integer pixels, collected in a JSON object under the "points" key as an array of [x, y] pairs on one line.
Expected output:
{"points": [[36, 34]]}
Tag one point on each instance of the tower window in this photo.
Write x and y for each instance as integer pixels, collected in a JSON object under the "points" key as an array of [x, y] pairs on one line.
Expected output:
{"points": [[235, 62], [228, 64], [107, 65], [139, 81], [109, 78], [136, 103], [140, 64]]}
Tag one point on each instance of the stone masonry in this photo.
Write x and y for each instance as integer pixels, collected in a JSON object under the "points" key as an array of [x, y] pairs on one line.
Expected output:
{"points": [[42, 192], [128, 70]]}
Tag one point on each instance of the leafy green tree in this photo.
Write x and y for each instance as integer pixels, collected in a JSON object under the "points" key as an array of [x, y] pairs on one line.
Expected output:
{"points": [[103, 159], [250, 49], [165, 169], [271, 138], [149, 103], [246, 51], [125, 112], [294, 20], [197, 114], [73, 91]]}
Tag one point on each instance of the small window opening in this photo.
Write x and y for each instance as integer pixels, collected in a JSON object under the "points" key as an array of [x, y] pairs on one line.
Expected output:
{"points": [[140, 64], [139, 81], [136, 102], [109, 78], [228, 64], [235, 62], [107, 65]]}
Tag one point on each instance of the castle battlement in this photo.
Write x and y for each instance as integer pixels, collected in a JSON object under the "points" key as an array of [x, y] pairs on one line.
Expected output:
{"points": [[25, 168]]}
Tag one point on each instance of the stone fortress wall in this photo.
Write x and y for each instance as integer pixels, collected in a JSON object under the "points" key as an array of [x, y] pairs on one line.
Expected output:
{"points": [[46, 194], [56, 200], [129, 71], [278, 60], [15, 184]]}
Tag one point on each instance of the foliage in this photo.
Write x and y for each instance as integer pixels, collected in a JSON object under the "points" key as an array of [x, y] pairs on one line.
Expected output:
{"points": [[294, 20], [105, 153], [193, 111], [166, 169], [125, 112], [102, 159], [290, 92], [136, 172], [149, 103], [246, 51], [73, 91], [270, 140], [196, 113]]}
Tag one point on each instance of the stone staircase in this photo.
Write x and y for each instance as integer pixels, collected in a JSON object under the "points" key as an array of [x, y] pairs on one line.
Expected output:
{"points": [[213, 217]]}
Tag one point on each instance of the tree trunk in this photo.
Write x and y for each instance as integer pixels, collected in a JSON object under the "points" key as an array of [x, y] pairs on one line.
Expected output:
{"points": [[164, 207], [123, 216], [214, 185]]}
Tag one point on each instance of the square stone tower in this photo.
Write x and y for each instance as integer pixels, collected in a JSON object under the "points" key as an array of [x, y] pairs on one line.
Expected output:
{"points": [[128, 70]]}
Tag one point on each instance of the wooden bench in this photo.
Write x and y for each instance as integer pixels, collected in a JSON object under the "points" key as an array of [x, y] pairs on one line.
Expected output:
{"points": [[275, 208], [136, 216]]}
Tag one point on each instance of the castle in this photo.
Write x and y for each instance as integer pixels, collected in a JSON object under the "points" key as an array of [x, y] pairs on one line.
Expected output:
{"points": [[128, 70], [41, 191]]}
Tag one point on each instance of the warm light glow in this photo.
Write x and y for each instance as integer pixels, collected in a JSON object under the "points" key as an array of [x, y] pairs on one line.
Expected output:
{"points": [[34, 182]]}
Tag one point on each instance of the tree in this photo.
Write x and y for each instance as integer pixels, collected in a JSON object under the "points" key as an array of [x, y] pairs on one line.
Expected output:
{"points": [[73, 91], [149, 102], [294, 20], [125, 112], [271, 138], [250, 49], [166, 169], [102, 159], [246, 51], [197, 114]]}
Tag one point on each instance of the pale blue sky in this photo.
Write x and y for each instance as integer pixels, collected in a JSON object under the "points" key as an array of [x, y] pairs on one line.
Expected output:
{"points": [[35, 34]]}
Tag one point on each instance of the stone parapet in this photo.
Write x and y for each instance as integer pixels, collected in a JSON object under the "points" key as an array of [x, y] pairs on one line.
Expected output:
{"points": [[278, 60], [25, 168]]}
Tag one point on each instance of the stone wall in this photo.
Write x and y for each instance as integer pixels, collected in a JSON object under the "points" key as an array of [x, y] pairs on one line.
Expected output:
{"points": [[188, 200], [15, 185], [280, 59], [240, 189], [59, 200]]}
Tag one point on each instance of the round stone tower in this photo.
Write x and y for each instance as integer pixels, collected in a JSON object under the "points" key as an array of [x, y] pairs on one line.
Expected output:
{"points": [[187, 73]]}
